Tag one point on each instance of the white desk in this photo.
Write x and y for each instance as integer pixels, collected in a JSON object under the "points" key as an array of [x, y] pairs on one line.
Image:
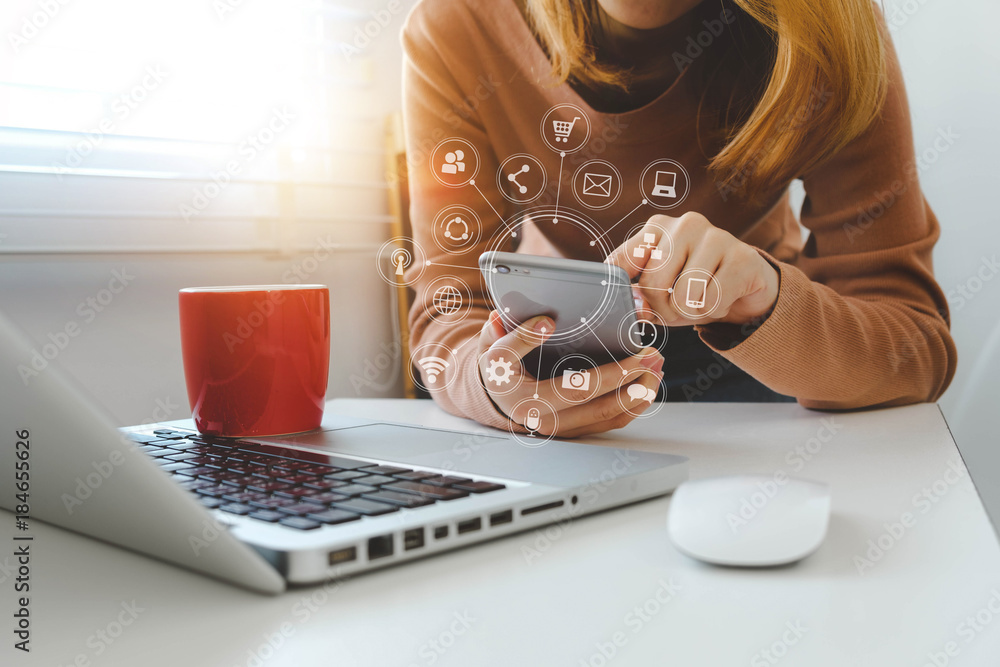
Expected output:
{"points": [[579, 590]]}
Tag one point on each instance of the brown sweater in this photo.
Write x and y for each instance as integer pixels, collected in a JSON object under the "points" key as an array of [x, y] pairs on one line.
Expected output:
{"points": [[859, 320]]}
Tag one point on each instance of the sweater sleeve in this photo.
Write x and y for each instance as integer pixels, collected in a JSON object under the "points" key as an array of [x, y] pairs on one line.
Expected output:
{"points": [[859, 320], [438, 108]]}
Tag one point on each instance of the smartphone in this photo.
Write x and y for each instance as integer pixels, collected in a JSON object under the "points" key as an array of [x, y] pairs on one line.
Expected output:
{"points": [[591, 304]]}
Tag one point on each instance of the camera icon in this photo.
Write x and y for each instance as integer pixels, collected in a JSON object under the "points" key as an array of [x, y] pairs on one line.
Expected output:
{"points": [[576, 380]]}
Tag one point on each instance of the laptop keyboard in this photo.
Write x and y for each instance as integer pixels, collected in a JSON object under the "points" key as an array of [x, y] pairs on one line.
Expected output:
{"points": [[301, 490]]}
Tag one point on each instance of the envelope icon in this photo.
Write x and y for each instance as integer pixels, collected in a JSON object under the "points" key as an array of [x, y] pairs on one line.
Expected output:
{"points": [[598, 185]]}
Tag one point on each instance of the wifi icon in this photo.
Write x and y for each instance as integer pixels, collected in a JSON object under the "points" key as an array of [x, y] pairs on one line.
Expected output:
{"points": [[433, 366]]}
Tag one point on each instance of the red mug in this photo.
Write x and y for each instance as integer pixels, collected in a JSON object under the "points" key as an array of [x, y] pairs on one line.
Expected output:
{"points": [[256, 357]]}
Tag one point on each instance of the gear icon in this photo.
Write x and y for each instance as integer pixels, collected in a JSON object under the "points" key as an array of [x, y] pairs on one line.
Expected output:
{"points": [[500, 371]]}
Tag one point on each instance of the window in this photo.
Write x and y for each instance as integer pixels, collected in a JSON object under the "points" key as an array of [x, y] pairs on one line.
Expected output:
{"points": [[193, 124]]}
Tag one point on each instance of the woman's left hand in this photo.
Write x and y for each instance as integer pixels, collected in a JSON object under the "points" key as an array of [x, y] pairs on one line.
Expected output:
{"points": [[692, 272]]}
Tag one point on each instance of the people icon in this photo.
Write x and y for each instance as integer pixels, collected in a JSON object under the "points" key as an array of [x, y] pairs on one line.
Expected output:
{"points": [[453, 162]]}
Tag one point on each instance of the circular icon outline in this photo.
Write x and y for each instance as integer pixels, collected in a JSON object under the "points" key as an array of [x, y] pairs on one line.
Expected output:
{"points": [[470, 174], [579, 196], [460, 312], [395, 242], [492, 386], [533, 442], [510, 228], [474, 229], [636, 372], [675, 302], [439, 365], [664, 234], [583, 116], [502, 186], [559, 380], [649, 197], [625, 332]]}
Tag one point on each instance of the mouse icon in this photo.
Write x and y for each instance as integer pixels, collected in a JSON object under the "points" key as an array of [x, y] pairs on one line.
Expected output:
{"points": [[749, 520]]}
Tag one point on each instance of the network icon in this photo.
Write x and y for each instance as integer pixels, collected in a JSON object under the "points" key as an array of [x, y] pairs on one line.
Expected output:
{"points": [[648, 243], [447, 300]]}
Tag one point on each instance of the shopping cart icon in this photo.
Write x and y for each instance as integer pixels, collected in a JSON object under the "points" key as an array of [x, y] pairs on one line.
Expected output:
{"points": [[562, 128]]}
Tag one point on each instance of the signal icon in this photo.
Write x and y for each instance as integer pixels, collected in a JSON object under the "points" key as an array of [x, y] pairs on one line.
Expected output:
{"points": [[433, 366]]}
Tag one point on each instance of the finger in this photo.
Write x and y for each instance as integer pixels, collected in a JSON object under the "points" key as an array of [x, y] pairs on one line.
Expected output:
{"points": [[555, 397], [606, 412], [492, 332], [527, 336], [697, 292]]}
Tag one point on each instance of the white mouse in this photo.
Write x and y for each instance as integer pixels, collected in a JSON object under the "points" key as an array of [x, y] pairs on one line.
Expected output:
{"points": [[749, 520]]}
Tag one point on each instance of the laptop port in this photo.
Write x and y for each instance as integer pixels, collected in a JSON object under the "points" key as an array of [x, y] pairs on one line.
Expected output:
{"points": [[413, 539], [440, 532], [500, 518], [470, 525], [379, 547], [343, 555], [541, 508]]}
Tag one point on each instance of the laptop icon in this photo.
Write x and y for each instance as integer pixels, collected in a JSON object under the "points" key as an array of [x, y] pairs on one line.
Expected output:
{"points": [[665, 184]]}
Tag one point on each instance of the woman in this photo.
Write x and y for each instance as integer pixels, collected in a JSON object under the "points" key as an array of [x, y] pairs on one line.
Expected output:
{"points": [[712, 108]]}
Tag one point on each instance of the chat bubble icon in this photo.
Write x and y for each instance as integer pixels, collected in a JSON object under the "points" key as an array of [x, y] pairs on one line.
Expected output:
{"points": [[637, 392]]}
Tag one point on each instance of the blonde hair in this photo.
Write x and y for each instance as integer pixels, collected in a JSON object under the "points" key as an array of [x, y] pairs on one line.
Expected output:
{"points": [[830, 48]]}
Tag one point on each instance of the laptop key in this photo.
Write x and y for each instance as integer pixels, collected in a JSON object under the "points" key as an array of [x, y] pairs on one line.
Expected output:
{"points": [[159, 453], [385, 470], [210, 502], [294, 492], [298, 509], [355, 489], [139, 437], [271, 503], [397, 498], [445, 480], [267, 486], [194, 484], [182, 445], [235, 508], [214, 490], [374, 480], [415, 475], [267, 515], [244, 497], [197, 472], [334, 516], [316, 469], [183, 456], [345, 475], [429, 490], [324, 498], [366, 507], [173, 467], [479, 487], [324, 484], [300, 523], [296, 479]]}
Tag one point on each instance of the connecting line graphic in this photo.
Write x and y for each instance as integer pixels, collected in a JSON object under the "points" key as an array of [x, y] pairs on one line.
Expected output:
{"points": [[473, 184], [450, 266], [608, 230], [555, 216], [668, 290]]}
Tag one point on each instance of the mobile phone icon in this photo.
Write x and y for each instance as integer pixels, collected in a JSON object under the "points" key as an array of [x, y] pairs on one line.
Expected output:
{"points": [[693, 300]]}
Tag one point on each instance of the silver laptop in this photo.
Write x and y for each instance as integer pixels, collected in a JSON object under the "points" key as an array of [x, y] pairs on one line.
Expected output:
{"points": [[264, 513]]}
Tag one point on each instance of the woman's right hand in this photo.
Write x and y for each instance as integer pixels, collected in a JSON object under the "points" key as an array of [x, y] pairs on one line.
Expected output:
{"points": [[571, 414]]}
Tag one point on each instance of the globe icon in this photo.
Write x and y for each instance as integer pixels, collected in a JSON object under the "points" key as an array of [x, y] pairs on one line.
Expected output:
{"points": [[447, 300]]}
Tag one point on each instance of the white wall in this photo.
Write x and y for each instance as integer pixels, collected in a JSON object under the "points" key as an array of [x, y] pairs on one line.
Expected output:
{"points": [[951, 62]]}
